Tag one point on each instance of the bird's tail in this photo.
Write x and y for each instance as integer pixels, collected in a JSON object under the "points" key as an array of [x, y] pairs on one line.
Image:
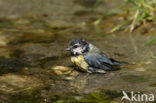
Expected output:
{"points": [[119, 63]]}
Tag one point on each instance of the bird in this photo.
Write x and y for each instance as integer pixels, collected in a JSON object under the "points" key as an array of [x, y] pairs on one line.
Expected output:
{"points": [[89, 58]]}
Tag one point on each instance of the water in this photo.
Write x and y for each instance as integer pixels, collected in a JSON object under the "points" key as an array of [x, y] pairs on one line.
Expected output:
{"points": [[33, 41]]}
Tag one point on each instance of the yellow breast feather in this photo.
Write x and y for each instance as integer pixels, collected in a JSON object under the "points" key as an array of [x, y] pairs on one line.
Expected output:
{"points": [[80, 62]]}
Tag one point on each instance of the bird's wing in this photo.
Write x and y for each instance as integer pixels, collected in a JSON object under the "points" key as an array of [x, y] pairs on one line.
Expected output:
{"points": [[99, 60]]}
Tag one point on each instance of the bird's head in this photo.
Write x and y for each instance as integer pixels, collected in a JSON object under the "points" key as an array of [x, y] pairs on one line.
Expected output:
{"points": [[78, 46]]}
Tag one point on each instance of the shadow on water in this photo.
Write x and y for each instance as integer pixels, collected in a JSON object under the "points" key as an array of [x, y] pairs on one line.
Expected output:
{"points": [[8, 65], [51, 60], [88, 3]]}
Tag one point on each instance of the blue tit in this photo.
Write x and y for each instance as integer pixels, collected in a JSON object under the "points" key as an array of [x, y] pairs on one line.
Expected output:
{"points": [[91, 59]]}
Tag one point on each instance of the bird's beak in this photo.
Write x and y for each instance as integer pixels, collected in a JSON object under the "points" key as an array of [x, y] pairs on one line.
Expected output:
{"points": [[67, 49]]}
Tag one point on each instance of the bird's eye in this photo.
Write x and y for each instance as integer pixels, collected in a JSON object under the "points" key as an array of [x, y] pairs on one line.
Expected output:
{"points": [[75, 46]]}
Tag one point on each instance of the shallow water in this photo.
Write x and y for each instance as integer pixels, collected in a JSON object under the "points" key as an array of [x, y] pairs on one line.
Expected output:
{"points": [[33, 40]]}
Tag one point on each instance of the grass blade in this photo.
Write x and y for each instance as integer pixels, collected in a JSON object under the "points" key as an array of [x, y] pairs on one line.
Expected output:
{"points": [[150, 42]]}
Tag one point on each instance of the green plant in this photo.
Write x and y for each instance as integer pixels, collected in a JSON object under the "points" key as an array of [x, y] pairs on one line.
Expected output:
{"points": [[150, 43], [96, 98], [143, 11]]}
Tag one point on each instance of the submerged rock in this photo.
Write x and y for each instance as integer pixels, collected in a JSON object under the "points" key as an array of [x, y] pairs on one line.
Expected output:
{"points": [[3, 40], [13, 83], [66, 72], [57, 24], [11, 65]]}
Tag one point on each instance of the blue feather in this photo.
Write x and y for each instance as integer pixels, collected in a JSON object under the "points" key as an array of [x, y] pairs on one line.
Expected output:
{"points": [[99, 61]]}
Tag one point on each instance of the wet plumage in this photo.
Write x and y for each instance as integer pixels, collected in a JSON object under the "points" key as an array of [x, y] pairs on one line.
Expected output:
{"points": [[91, 59]]}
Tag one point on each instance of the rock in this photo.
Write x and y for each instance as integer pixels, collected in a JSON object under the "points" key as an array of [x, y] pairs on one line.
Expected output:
{"points": [[4, 52], [69, 78], [3, 40], [57, 24], [59, 70], [22, 21], [141, 69], [12, 83], [66, 72]]}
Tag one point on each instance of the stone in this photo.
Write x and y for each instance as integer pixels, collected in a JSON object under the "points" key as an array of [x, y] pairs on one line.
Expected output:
{"points": [[66, 72], [13, 83]]}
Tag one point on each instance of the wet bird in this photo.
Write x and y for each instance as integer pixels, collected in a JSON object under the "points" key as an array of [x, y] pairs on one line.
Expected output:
{"points": [[91, 59]]}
